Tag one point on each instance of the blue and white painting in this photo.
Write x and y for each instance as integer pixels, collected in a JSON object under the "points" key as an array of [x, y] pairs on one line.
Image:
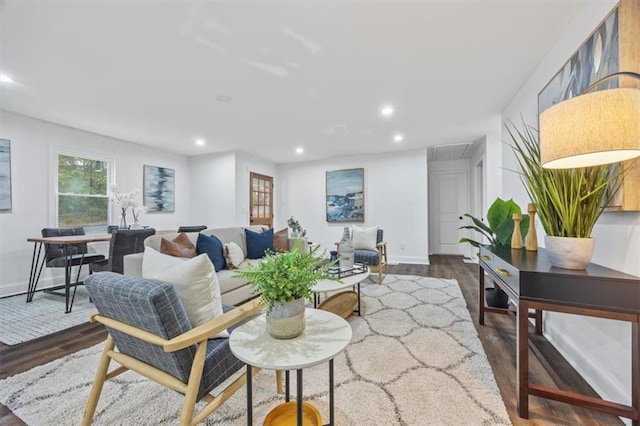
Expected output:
{"points": [[5, 175], [159, 189], [345, 195], [598, 57]]}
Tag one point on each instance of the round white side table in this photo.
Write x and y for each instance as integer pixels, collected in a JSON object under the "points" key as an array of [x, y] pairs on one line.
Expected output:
{"points": [[324, 337], [328, 286]]}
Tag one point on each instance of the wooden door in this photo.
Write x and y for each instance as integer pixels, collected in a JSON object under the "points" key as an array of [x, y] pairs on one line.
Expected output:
{"points": [[447, 202], [261, 200]]}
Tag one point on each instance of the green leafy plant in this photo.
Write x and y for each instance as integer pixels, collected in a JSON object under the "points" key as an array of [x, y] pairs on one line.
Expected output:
{"points": [[568, 201], [284, 277], [296, 229], [501, 224]]}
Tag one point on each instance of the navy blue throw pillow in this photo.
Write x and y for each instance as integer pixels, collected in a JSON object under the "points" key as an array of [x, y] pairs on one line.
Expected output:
{"points": [[214, 248], [258, 244]]}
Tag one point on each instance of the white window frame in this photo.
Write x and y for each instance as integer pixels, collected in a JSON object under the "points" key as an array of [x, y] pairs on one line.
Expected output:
{"points": [[54, 181]]}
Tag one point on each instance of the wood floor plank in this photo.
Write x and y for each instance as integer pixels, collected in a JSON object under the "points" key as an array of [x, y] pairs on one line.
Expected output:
{"points": [[498, 337]]}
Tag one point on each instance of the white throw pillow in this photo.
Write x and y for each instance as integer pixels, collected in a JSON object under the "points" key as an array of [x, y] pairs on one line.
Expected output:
{"points": [[233, 255], [195, 282], [365, 238]]}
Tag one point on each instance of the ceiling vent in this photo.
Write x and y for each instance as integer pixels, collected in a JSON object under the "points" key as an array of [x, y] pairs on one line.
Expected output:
{"points": [[458, 151]]}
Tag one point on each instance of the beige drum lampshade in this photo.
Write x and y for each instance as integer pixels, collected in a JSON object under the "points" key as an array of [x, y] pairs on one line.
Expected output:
{"points": [[595, 128]]}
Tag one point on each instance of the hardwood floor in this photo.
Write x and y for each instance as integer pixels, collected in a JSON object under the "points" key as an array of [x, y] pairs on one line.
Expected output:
{"points": [[497, 336]]}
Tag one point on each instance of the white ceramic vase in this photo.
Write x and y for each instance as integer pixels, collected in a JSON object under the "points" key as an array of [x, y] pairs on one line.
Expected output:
{"points": [[569, 253], [286, 320]]}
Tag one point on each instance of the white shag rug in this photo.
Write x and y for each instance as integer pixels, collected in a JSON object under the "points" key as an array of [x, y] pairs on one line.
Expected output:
{"points": [[21, 321], [415, 359]]}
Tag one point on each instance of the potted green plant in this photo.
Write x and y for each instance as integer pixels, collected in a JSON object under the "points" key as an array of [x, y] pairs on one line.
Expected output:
{"points": [[297, 231], [568, 201], [498, 232], [500, 224], [285, 280]]}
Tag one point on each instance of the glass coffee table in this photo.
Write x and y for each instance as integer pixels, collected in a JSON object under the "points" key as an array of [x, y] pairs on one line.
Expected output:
{"points": [[324, 337], [342, 303]]}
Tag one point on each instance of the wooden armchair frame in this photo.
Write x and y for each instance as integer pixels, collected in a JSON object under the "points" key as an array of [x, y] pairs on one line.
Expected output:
{"points": [[196, 336]]}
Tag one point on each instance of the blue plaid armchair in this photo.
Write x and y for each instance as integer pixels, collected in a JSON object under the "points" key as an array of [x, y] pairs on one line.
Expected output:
{"points": [[149, 326]]}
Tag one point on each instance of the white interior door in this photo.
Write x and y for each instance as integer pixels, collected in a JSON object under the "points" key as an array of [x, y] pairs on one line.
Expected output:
{"points": [[448, 201]]}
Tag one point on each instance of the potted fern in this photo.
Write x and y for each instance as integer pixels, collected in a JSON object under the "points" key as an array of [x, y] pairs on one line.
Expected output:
{"points": [[569, 201], [285, 281]]}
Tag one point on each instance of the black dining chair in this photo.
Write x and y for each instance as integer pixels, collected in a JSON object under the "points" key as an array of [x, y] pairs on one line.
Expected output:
{"points": [[67, 256], [195, 228], [123, 242], [76, 254]]}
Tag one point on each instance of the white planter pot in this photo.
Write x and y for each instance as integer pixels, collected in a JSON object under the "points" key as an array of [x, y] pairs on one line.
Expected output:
{"points": [[569, 253], [286, 320]]}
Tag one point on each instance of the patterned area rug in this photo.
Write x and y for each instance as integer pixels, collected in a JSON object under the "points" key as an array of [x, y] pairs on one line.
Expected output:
{"points": [[21, 321], [415, 359]]}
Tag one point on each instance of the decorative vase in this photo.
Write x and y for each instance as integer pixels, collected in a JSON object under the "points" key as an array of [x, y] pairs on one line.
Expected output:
{"points": [[516, 237], [123, 220], [286, 319], [135, 225], [345, 251], [569, 253], [532, 236]]}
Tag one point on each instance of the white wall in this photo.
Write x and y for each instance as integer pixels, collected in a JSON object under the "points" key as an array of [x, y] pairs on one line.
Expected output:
{"points": [[34, 144], [494, 170], [220, 187], [599, 349], [213, 190], [395, 199]]}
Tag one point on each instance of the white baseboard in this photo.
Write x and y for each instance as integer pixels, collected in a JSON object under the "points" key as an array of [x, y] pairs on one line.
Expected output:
{"points": [[418, 260], [605, 385], [44, 283]]}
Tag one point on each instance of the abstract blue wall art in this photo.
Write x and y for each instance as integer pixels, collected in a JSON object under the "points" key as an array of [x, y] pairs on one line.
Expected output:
{"points": [[598, 57], [159, 189], [345, 195], [5, 175]]}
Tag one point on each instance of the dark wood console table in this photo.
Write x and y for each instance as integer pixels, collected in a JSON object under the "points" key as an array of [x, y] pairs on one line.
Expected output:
{"points": [[533, 284]]}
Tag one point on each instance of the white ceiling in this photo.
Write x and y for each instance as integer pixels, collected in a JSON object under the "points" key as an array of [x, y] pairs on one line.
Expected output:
{"points": [[309, 74]]}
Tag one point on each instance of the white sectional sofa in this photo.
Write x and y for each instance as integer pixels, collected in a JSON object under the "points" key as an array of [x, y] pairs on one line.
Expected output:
{"points": [[233, 290]]}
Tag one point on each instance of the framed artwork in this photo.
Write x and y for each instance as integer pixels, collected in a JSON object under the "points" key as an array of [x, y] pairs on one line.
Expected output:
{"points": [[5, 175], [614, 46], [159, 189], [595, 59], [345, 195]]}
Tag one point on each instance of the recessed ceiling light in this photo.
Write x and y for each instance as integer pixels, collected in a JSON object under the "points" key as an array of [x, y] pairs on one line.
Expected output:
{"points": [[223, 98], [398, 138], [299, 150], [6, 79], [200, 142], [387, 111]]}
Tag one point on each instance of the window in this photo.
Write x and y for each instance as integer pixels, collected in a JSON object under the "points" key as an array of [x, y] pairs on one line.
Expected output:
{"points": [[83, 198]]}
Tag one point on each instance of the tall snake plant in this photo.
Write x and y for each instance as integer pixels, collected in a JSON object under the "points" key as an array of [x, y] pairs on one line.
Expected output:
{"points": [[568, 201]]}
